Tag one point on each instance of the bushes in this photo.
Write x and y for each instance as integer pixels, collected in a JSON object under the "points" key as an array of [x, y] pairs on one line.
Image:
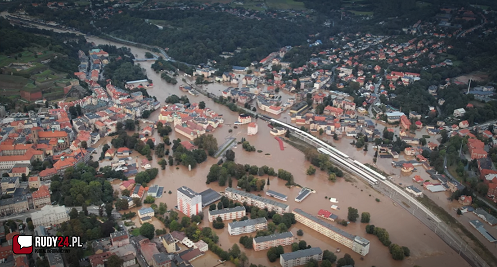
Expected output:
{"points": [[353, 214], [398, 252], [246, 241], [274, 253], [365, 217], [218, 223]]}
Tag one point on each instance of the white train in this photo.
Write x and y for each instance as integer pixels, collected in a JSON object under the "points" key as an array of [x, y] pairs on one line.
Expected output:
{"points": [[364, 175], [366, 168]]}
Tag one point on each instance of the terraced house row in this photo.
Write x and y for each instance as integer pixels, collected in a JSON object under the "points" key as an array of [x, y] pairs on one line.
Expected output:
{"points": [[356, 243]]}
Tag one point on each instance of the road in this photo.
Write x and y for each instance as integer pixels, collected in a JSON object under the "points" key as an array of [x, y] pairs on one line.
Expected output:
{"points": [[139, 256]]}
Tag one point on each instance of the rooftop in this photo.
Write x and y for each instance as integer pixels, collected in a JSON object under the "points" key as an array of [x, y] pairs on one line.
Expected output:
{"points": [[301, 253], [258, 198], [187, 192], [209, 196], [261, 239], [227, 210], [247, 222]]}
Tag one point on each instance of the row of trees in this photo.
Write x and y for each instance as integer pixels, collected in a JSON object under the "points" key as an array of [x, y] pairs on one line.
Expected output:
{"points": [[398, 252]]}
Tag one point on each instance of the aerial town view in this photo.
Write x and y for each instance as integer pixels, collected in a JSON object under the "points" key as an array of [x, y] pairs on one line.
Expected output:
{"points": [[248, 133]]}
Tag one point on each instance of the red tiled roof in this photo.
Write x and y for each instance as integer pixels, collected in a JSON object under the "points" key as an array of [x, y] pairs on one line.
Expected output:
{"points": [[42, 192]]}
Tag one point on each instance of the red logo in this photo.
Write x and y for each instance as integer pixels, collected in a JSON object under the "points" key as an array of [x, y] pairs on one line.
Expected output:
{"points": [[22, 244]]}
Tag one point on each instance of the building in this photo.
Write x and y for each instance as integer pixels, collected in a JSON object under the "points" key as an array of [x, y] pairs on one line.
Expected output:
{"points": [[188, 201], [482, 214], [243, 119], [34, 182], [146, 214], [13, 205], [404, 121], [227, 214], [414, 191], [465, 200], [50, 215], [119, 238], [301, 257], [148, 249], [266, 242], [55, 260], [162, 260], [252, 128], [257, 201], [41, 197], [153, 191], [356, 243], [459, 112], [276, 195], [202, 246], [169, 243], [9, 184], [247, 226], [480, 228], [393, 117]]}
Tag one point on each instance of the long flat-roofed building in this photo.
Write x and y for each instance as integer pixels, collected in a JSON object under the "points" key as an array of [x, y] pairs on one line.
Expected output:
{"points": [[276, 195], [189, 202], [257, 201], [266, 242], [228, 213], [301, 257], [356, 243], [247, 226]]}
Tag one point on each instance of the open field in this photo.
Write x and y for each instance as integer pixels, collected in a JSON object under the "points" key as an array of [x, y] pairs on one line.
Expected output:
{"points": [[476, 76]]}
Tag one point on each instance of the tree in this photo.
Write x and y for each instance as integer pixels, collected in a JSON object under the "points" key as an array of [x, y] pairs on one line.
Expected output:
{"points": [[325, 263], [482, 189], [108, 209], [295, 247], [346, 260], [73, 214], [147, 230], [329, 256], [407, 251], [365, 217], [302, 245], [268, 180], [218, 223], [122, 204], [201, 105], [321, 131], [212, 207], [149, 55], [125, 192], [84, 145], [137, 201], [335, 136], [311, 170], [397, 252], [370, 229], [300, 232], [149, 200], [353, 214], [114, 261]]}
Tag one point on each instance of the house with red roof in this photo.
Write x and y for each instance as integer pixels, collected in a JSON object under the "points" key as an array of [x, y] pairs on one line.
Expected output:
{"points": [[417, 179], [432, 146], [405, 122], [465, 200], [419, 124], [407, 167], [188, 145], [463, 124], [129, 184], [123, 152], [41, 197]]}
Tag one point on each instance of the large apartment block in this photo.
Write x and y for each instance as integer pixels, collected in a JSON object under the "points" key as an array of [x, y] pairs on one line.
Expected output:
{"points": [[257, 201], [227, 214], [356, 243], [266, 242], [301, 257], [247, 226], [189, 202]]}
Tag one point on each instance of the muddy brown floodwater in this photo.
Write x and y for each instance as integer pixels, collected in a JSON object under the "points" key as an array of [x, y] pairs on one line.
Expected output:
{"points": [[404, 229]]}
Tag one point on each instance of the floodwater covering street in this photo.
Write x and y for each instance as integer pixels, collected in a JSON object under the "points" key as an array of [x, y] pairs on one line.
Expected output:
{"points": [[427, 249]]}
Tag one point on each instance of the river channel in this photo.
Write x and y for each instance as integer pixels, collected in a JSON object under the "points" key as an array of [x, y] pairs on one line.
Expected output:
{"points": [[427, 249]]}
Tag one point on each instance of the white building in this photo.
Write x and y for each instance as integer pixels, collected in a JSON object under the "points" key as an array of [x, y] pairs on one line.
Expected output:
{"points": [[188, 201], [301, 257], [252, 128], [247, 226], [50, 215], [459, 112], [414, 191], [227, 214]]}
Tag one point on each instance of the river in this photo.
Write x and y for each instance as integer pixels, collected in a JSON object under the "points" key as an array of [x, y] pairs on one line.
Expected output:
{"points": [[427, 249]]}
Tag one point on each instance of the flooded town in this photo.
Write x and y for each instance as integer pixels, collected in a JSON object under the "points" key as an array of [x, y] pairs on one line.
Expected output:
{"points": [[274, 163]]}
